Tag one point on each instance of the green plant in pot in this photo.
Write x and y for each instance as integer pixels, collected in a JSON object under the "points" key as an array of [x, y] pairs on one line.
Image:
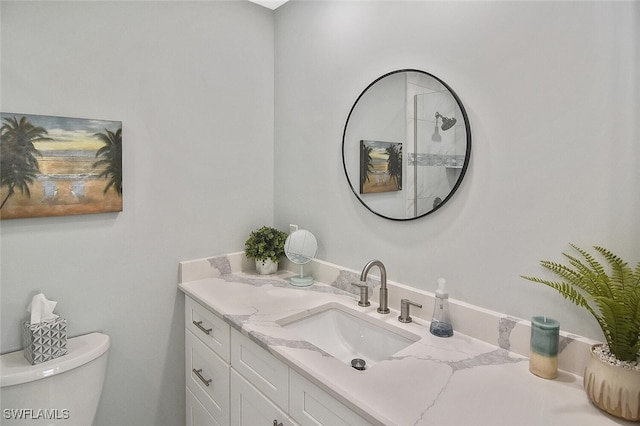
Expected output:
{"points": [[612, 376], [266, 247]]}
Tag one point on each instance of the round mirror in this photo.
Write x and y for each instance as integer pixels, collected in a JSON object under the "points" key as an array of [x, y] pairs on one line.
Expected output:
{"points": [[300, 248], [406, 145]]}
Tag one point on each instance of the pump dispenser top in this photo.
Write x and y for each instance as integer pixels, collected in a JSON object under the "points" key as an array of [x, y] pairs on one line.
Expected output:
{"points": [[441, 321], [441, 292]]}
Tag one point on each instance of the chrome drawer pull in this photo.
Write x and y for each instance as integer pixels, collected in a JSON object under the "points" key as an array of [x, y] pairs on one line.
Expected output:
{"points": [[204, 330], [197, 373]]}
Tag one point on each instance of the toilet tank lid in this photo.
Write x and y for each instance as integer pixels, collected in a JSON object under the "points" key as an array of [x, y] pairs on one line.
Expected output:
{"points": [[15, 369]]}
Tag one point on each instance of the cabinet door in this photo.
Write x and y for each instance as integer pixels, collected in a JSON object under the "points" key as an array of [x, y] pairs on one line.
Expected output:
{"points": [[251, 408], [263, 370], [207, 377], [196, 413], [311, 406]]}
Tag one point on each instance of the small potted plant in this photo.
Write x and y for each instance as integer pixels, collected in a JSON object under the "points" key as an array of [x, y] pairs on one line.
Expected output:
{"points": [[612, 375], [266, 247]]}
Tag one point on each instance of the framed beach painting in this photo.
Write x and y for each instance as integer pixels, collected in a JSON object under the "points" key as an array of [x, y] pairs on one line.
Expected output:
{"points": [[56, 166], [380, 166]]}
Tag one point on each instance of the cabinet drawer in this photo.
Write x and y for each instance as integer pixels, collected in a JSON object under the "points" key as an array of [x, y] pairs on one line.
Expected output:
{"points": [[262, 369], [211, 329], [311, 406], [249, 407], [207, 377], [196, 413]]}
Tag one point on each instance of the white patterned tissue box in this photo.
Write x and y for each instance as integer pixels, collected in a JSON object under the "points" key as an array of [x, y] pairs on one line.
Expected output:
{"points": [[44, 341]]}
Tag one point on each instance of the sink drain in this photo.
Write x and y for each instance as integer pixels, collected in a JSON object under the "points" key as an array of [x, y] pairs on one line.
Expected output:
{"points": [[358, 364]]}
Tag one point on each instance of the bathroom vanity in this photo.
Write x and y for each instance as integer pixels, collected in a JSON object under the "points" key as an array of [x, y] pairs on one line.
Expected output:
{"points": [[233, 380], [248, 362]]}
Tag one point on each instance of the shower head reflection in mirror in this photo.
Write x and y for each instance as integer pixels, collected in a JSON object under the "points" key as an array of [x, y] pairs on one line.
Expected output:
{"points": [[300, 248], [447, 123]]}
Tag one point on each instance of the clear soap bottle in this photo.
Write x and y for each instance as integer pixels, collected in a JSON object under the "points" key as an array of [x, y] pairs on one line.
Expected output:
{"points": [[441, 321]]}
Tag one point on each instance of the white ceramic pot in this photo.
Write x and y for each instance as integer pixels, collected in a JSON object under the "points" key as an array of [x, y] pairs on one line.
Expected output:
{"points": [[613, 389], [266, 267]]}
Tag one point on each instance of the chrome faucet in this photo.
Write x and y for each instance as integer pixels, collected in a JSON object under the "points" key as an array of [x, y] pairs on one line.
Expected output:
{"points": [[384, 296]]}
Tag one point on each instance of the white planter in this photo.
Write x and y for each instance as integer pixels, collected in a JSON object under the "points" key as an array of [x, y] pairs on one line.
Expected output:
{"points": [[613, 389], [266, 267]]}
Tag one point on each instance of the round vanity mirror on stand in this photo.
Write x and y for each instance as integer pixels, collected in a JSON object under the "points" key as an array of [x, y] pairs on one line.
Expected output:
{"points": [[300, 248]]}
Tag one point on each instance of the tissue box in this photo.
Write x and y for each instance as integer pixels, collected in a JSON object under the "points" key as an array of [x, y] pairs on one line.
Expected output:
{"points": [[44, 341]]}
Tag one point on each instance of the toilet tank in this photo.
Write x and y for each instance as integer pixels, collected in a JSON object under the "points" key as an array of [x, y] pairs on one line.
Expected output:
{"points": [[62, 391]]}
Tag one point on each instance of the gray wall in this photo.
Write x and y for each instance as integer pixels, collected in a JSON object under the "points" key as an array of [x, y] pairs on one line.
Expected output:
{"points": [[551, 89], [193, 84]]}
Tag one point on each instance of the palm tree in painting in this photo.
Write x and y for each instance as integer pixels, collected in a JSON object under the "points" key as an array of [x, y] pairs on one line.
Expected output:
{"points": [[18, 163], [366, 164], [394, 164], [111, 158]]}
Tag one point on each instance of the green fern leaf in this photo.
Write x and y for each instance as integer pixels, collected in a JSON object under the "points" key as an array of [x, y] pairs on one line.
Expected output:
{"points": [[612, 298]]}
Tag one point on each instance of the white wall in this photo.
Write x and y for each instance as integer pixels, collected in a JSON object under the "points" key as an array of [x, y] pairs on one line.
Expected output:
{"points": [[552, 92], [192, 83]]}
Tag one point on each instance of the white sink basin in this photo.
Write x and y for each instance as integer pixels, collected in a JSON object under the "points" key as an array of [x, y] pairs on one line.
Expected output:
{"points": [[348, 334]]}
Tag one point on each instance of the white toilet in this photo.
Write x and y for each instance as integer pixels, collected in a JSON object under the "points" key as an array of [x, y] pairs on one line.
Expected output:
{"points": [[64, 391]]}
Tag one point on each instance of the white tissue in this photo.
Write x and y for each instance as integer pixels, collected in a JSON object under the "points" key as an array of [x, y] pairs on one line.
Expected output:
{"points": [[41, 309]]}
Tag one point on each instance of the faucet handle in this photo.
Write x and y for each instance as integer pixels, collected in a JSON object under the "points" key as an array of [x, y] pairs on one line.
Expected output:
{"points": [[404, 310], [364, 293]]}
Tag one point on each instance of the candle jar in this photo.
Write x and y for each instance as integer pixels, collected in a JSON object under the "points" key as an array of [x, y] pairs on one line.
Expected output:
{"points": [[545, 334]]}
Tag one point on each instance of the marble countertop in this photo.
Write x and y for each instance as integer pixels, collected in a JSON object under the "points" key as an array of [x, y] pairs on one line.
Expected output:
{"points": [[435, 381]]}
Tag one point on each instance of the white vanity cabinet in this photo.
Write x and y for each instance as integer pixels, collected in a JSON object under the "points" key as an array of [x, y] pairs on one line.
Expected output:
{"points": [[207, 352], [231, 380]]}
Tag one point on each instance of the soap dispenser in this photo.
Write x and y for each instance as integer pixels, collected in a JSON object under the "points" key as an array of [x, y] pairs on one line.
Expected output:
{"points": [[441, 321]]}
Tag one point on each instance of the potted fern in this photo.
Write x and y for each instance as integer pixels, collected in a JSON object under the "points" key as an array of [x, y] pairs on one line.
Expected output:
{"points": [[612, 375], [266, 247]]}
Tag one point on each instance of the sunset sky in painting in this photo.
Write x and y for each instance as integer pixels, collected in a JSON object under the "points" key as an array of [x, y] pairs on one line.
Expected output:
{"points": [[68, 134]]}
